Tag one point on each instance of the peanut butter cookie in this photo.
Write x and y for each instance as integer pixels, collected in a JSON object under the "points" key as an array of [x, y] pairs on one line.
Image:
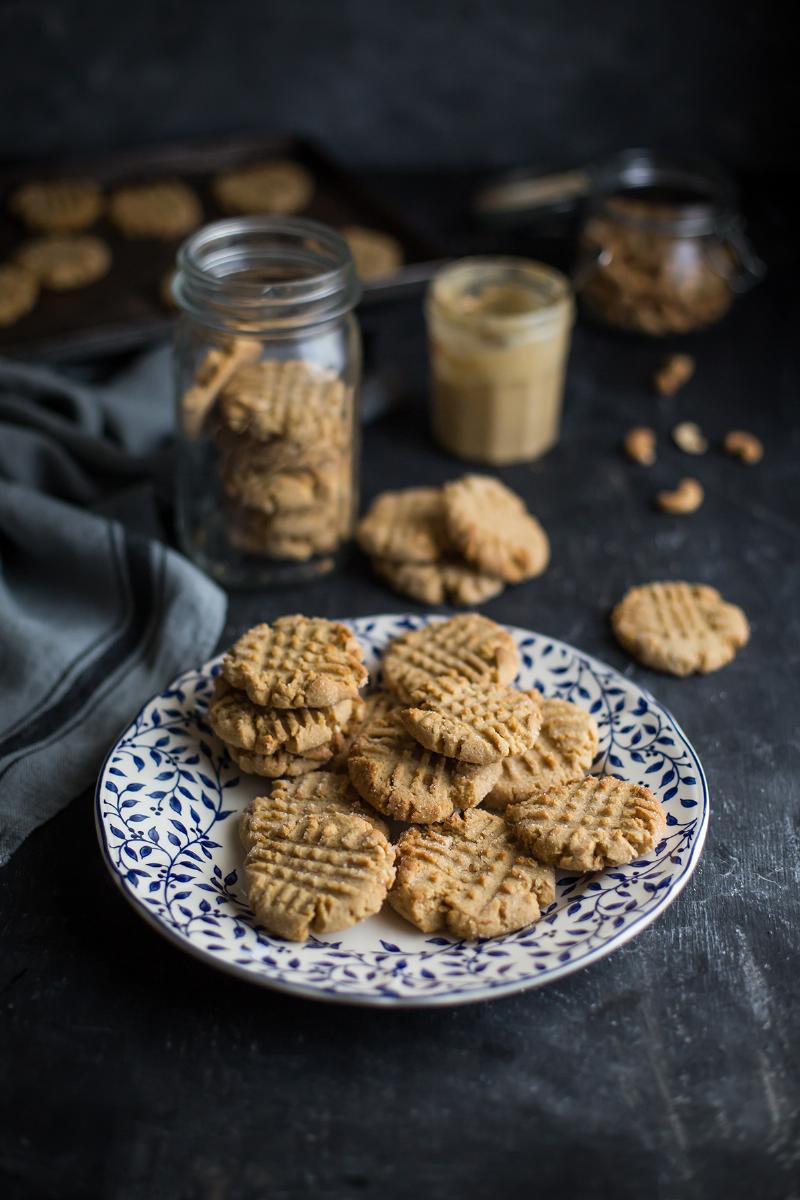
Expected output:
{"points": [[218, 365], [467, 876], [445, 582], [282, 764], [491, 527], [290, 399], [317, 873], [279, 186], [402, 779], [376, 254], [468, 646], [297, 662], [404, 527], [19, 289], [588, 824], [679, 627], [63, 263], [58, 206], [319, 792], [474, 722], [564, 749], [238, 722], [165, 209]]}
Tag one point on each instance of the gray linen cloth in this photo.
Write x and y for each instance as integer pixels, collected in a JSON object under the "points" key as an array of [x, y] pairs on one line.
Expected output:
{"points": [[96, 614]]}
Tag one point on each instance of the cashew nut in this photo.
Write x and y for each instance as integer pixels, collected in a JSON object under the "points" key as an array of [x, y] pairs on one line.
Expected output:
{"points": [[743, 445], [687, 498], [640, 445], [673, 373], [689, 438]]}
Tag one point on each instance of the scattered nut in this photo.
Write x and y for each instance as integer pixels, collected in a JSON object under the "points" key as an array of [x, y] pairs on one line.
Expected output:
{"points": [[689, 438], [673, 373], [640, 445], [743, 445], [687, 498]]}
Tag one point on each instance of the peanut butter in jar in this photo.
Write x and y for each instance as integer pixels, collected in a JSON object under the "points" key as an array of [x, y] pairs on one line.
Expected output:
{"points": [[499, 331]]}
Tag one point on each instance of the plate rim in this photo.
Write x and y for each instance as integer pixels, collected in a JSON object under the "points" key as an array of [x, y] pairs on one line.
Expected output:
{"points": [[446, 999]]}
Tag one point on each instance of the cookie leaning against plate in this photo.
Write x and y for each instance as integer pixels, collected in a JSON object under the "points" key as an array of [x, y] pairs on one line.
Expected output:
{"points": [[679, 627], [467, 875], [238, 722], [165, 209], [588, 824], [564, 749], [297, 662], [405, 526], [469, 646], [317, 873], [320, 792], [473, 722], [63, 263], [399, 777], [279, 186], [60, 206], [491, 527], [19, 289]]}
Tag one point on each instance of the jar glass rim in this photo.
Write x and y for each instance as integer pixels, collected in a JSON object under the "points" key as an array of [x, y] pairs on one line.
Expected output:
{"points": [[455, 280]]}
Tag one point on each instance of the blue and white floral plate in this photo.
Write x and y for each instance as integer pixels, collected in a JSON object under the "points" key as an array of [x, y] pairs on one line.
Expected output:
{"points": [[167, 803]]}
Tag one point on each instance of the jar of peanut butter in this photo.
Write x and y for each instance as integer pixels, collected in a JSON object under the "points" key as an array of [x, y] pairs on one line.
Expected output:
{"points": [[499, 331]]}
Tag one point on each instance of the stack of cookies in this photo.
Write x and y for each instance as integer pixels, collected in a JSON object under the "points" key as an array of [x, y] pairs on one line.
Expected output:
{"points": [[490, 781], [288, 696], [459, 544]]}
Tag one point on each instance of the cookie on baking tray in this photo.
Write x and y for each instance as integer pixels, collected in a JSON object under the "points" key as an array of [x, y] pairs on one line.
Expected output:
{"points": [[468, 646], [279, 186], [164, 209], [376, 254], [63, 263], [57, 206], [467, 875], [679, 627], [475, 722], [491, 527]]}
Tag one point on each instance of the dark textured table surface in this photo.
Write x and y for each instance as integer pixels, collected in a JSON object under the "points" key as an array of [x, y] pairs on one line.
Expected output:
{"points": [[668, 1069]]}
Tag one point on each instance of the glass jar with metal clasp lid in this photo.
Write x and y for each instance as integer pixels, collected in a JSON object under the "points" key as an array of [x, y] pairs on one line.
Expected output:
{"points": [[267, 369]]}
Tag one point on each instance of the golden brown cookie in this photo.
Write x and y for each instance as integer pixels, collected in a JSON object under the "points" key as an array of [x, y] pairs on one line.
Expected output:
{"points": [[317, 873], [444, 582], [467, 876], [268, 491], [564, 749], [319, 792], [399, 777], [679, 627], [238, 722], [297, 662], [19, 289], [588, 824], [63, 263], [290, 399], [279, 186], [281, 764], [468, 646], [164, 209], [491, 527], [218, 365], [404, 527], [376, 254], [293, 536], [59, 206], [473, 722], [343, 739]]}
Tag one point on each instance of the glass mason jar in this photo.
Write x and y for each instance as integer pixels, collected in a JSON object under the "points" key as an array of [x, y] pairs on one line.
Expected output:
{"points": [[662, 249], [499, 332], [267, 369]]}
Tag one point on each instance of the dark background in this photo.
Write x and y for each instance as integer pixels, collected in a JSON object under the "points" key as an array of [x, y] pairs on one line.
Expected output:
{"points": [[420, 83]]}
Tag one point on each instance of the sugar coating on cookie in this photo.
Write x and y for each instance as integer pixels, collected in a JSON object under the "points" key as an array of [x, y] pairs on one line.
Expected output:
{"points": [[588, 824], [474, 722], [467, 875], [445, 582], [679, 627], [469, 646], [297, 662], [239, 722], [564, 749], [317, 873], [62, 263], [319, 792], [404, 526], [404, 780], [491, 527]]}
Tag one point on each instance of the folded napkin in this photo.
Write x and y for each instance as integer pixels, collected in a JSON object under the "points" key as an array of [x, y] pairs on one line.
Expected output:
{"points": [[96, 614]]}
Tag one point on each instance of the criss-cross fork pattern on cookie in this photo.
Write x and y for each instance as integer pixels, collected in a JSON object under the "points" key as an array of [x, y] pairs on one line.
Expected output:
{"points": [[289, 799], [319, 872], [680, 627], [477, 723], [289, 399], [238, 722], [588, 824], [468, 876], [469, 646], [297, 662], [402, 779]]}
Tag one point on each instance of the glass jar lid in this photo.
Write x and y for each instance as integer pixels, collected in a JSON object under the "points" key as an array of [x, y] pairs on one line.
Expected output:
{"points": [[691, 197]]}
